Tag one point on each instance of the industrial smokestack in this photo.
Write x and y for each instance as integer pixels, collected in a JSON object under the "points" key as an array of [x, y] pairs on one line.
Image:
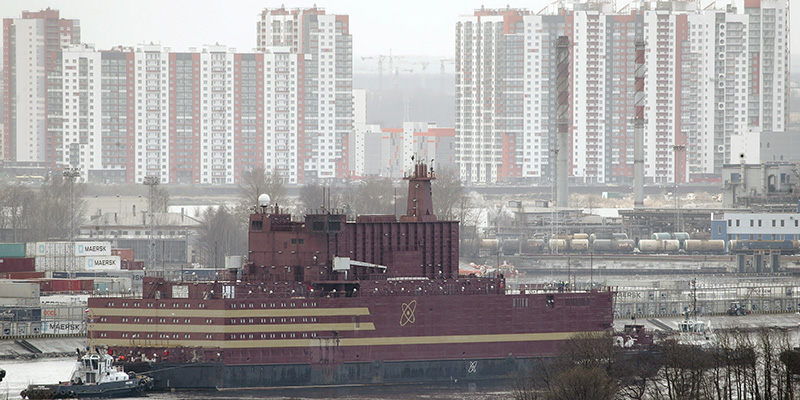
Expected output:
{"points": [[638, 128], [563, 120]]}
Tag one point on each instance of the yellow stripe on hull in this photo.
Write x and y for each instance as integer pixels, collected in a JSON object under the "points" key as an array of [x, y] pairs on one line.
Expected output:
{"points": [[345, 342]]}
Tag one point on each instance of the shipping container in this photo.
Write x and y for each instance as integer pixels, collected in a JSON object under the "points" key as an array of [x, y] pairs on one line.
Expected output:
{"points": [[12, 250], [93, 249], [21, 275], [103, 263], [19, 290], [124, 254], [21, 264], [73, 327], [132, 265]]}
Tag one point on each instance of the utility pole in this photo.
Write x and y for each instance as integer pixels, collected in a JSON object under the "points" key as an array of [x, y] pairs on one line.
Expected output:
{"points": [[71, 174], [151, 181]]}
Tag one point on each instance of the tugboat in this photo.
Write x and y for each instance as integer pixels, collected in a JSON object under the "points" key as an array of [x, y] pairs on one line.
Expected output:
{"points": [[94, 376]]}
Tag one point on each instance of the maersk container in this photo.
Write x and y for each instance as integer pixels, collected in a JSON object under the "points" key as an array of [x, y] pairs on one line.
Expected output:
{"points": [[579, 244], [102, 263], [661, 236], [12, 250], [93, 249]]}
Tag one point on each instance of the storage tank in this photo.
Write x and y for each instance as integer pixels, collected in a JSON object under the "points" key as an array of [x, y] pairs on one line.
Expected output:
{"points": [[625, 245], [532, 246], [489, 245], [579, 244], [681, 236], [650, 245], [661, 236], [604, 245], [704, 246], [558, 245], [596, 236], [510, 246], [619, 235], [671, 245], [581, 236]]}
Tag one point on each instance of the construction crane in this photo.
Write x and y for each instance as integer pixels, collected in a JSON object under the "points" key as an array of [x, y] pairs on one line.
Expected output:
{"points": [[443, 62], [380, 59]]}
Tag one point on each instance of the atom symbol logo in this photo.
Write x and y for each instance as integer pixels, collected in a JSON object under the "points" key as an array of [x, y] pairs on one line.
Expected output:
{"points": [[407, 316], [473, 367]]}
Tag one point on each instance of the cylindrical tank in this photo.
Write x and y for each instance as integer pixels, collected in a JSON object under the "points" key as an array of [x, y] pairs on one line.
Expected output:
{"points": [[796, 245], [579, 244], [650, 245], [581, 236], [661, 236], [680, 236], [732, 244], [704, 246], [619, 235], [558, 244], [510, 246], [625, 245], [532, 246], [671, 245], [596, 236], [603, 245], [489, 244]]}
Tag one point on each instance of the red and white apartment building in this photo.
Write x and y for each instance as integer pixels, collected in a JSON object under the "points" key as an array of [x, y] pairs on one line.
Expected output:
{"points": [[203, 116], [711, 73]]}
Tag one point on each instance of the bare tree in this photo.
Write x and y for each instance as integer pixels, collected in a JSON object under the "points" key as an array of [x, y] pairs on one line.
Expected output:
{"points": [[257, 182], [15, 202], [311, 196], [51, 212], [221, 234], [374, 196]]}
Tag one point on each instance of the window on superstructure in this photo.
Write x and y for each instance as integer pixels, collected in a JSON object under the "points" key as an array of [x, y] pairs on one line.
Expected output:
{"points": [[124, 320], [208, 336], [209, 320], [149, 320]]}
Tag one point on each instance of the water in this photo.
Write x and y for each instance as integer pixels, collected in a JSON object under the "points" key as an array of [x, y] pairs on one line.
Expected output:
{"points": [[20, 374]]}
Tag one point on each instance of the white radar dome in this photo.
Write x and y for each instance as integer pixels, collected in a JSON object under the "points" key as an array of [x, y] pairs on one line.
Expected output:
{"points": [[263, 200]]}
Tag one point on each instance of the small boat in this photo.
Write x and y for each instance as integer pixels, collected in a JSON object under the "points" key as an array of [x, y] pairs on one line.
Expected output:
{"points": [[94, 376]]}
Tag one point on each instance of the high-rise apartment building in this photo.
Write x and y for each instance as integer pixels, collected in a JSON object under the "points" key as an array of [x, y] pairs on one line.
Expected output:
{"points": [[31, 54], [710, 73], [203, 117], [324, 110]]}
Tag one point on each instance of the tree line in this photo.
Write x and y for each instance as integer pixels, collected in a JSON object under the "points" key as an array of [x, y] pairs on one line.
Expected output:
{"points": [[743, 365]]}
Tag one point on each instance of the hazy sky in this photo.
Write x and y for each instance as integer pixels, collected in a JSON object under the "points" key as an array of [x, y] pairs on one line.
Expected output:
{"points": [[410, 27]]}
